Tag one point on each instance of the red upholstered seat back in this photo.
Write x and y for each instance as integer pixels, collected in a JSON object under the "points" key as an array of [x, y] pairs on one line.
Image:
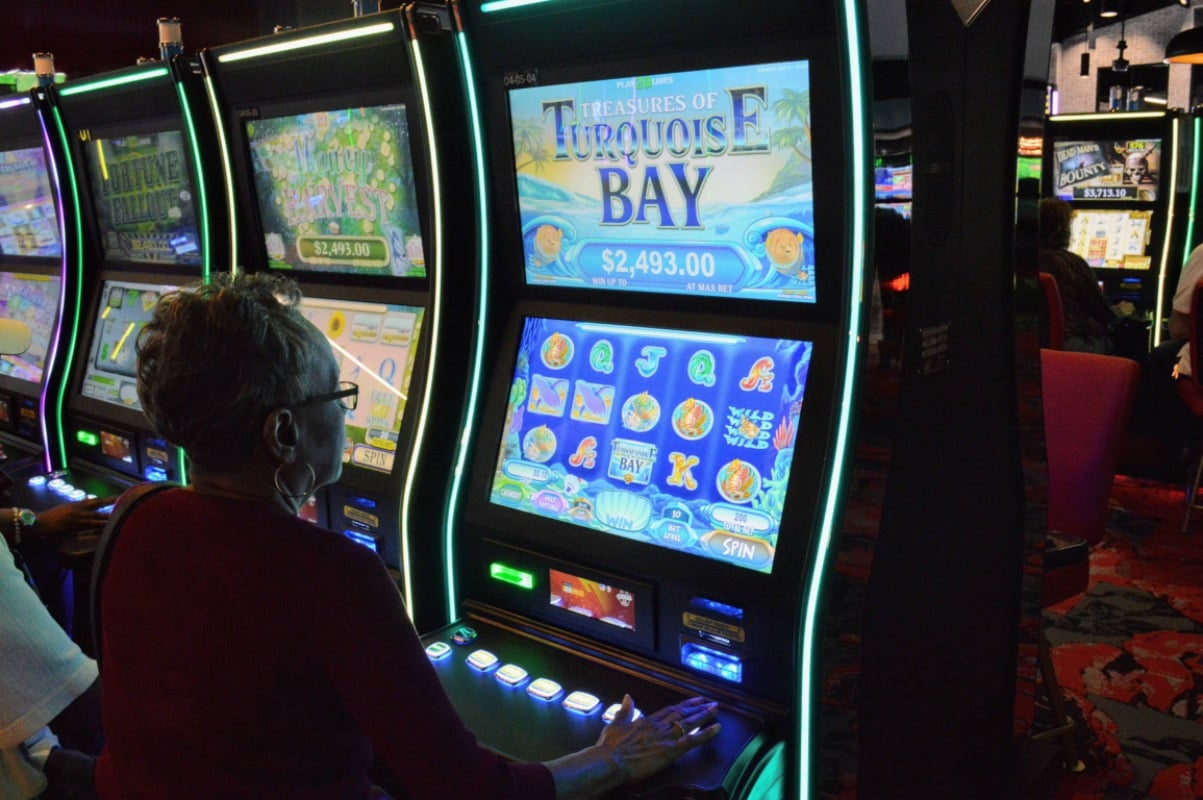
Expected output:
{"points": [[1052, 313], [1087, 401]]}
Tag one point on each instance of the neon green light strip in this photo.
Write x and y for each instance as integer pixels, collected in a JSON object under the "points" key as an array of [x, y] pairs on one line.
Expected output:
{"points": [[858, 148], [227, 171], [1111, 116], [70, 332], [434, 325], [1166, 240], [1189, 244], [476, 368], [109, 83], [306, 41], [202, 190], [505, 5]]}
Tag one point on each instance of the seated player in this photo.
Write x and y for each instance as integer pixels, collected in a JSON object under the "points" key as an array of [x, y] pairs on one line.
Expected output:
{"points": [[250, 654], [49, 689], [1089, 320]]}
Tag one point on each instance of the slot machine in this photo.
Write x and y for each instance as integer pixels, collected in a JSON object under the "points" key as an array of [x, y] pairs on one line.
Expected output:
{"points": [[678, 198], [31, 276], [140, 222], [347, 177], [1128, 176]]}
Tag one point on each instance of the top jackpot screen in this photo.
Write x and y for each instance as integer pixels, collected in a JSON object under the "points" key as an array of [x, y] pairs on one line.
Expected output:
{"points": [[693, 183]]}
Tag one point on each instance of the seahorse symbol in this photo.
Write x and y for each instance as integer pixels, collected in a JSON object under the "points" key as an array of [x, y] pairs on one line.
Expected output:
{"points": [[586, 453], [760, 377]]}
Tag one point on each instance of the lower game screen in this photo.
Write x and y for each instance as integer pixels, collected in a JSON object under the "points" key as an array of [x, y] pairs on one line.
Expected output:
{"points": [[681, 439], [32, 299], [125, 308], [374, 345]]}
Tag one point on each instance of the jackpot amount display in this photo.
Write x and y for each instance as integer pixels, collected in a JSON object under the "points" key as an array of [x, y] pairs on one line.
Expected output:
{"points": [[680, 439]]}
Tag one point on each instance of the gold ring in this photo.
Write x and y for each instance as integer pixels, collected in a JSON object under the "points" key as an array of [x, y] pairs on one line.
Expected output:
{"points": [[679, 727]]}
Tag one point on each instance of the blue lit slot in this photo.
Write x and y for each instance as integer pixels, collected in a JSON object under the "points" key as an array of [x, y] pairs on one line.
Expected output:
{"points": [[721, 665], [363, 502], [360, 538], [714, 606], [155, 474]]}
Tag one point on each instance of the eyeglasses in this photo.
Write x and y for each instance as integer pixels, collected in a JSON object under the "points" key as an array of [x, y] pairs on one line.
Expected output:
{"points": [[347, 396]]}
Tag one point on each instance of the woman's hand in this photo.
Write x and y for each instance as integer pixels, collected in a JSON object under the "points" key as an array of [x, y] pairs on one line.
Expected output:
{"points": [[83, 516], [645, 746], [630, 750]]}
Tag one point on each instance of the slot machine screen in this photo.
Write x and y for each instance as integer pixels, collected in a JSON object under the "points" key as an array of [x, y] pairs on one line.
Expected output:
{"points": [[143, 198], [34, 300], [125, 308], [892, 183], [681, 439], [695, 183], [1123, 170], [374, 344], [28, 220], [1111, 238], [336, 191]]}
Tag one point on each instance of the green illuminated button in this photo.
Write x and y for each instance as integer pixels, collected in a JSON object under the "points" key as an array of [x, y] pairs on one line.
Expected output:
{"points": [[516, 577], [438, 650], [88, 438]]}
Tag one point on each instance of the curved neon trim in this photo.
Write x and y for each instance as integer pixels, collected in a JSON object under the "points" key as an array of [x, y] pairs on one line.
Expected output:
{"points": [[857, 145], [433, 324], [1187, 244], [60, 441], [472, 407], [64, 266], [1169, 216], [226, 171]]}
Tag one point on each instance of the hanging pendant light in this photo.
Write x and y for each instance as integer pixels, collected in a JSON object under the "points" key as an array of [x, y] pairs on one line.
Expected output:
{"points": [[1186, 47]]}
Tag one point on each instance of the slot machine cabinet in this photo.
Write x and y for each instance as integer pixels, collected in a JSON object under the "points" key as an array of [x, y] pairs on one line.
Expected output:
{"points": [[387, 260], [628, 517], [1128, 176]]}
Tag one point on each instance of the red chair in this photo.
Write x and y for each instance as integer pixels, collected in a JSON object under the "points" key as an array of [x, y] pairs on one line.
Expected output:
{"points": [[1087, 401], [1052, 313], [1191, 391]]}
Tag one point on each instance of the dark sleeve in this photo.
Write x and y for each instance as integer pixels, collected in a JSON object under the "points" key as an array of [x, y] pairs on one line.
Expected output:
{"points": [[372, 654]]}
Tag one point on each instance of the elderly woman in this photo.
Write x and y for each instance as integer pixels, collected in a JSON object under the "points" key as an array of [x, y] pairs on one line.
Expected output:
{"points": [[250, 654]]}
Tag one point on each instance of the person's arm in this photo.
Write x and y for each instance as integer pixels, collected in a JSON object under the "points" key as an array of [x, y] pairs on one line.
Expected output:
{"points": [[374, 659], [1179, 325], [20, 524]]}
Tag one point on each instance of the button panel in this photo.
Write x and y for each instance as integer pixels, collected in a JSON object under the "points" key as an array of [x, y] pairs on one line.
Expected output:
{"points": [[543, 689]]}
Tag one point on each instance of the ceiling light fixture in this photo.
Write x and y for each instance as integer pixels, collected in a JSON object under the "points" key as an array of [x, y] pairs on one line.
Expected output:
{"points": [[1186, 47]]}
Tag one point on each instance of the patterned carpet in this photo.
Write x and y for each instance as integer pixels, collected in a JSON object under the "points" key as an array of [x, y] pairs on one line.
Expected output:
{"points": [[1129, 652]]}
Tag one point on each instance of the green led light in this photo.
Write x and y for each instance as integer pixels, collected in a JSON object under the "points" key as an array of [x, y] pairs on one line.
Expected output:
{"points": [[505, 5], [88, 438], [109, 83], [308, 41], [516, 577], [1110, 116]]}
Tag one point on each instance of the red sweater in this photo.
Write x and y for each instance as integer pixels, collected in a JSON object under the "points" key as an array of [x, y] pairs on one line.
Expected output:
{"points": [[249, 654]]}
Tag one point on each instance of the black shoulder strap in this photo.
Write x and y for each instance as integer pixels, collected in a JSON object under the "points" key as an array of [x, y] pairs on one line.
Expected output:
{"points": [[131, 499]]}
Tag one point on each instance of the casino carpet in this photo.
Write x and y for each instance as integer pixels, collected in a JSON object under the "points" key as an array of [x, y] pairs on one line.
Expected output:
{"points": [[1129, 653]]}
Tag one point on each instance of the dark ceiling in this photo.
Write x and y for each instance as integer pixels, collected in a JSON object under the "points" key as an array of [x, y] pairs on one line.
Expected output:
{"points": [[1073, 16]]}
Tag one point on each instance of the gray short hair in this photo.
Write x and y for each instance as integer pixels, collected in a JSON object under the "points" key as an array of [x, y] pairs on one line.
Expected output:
{"points": [[215, 359]]}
